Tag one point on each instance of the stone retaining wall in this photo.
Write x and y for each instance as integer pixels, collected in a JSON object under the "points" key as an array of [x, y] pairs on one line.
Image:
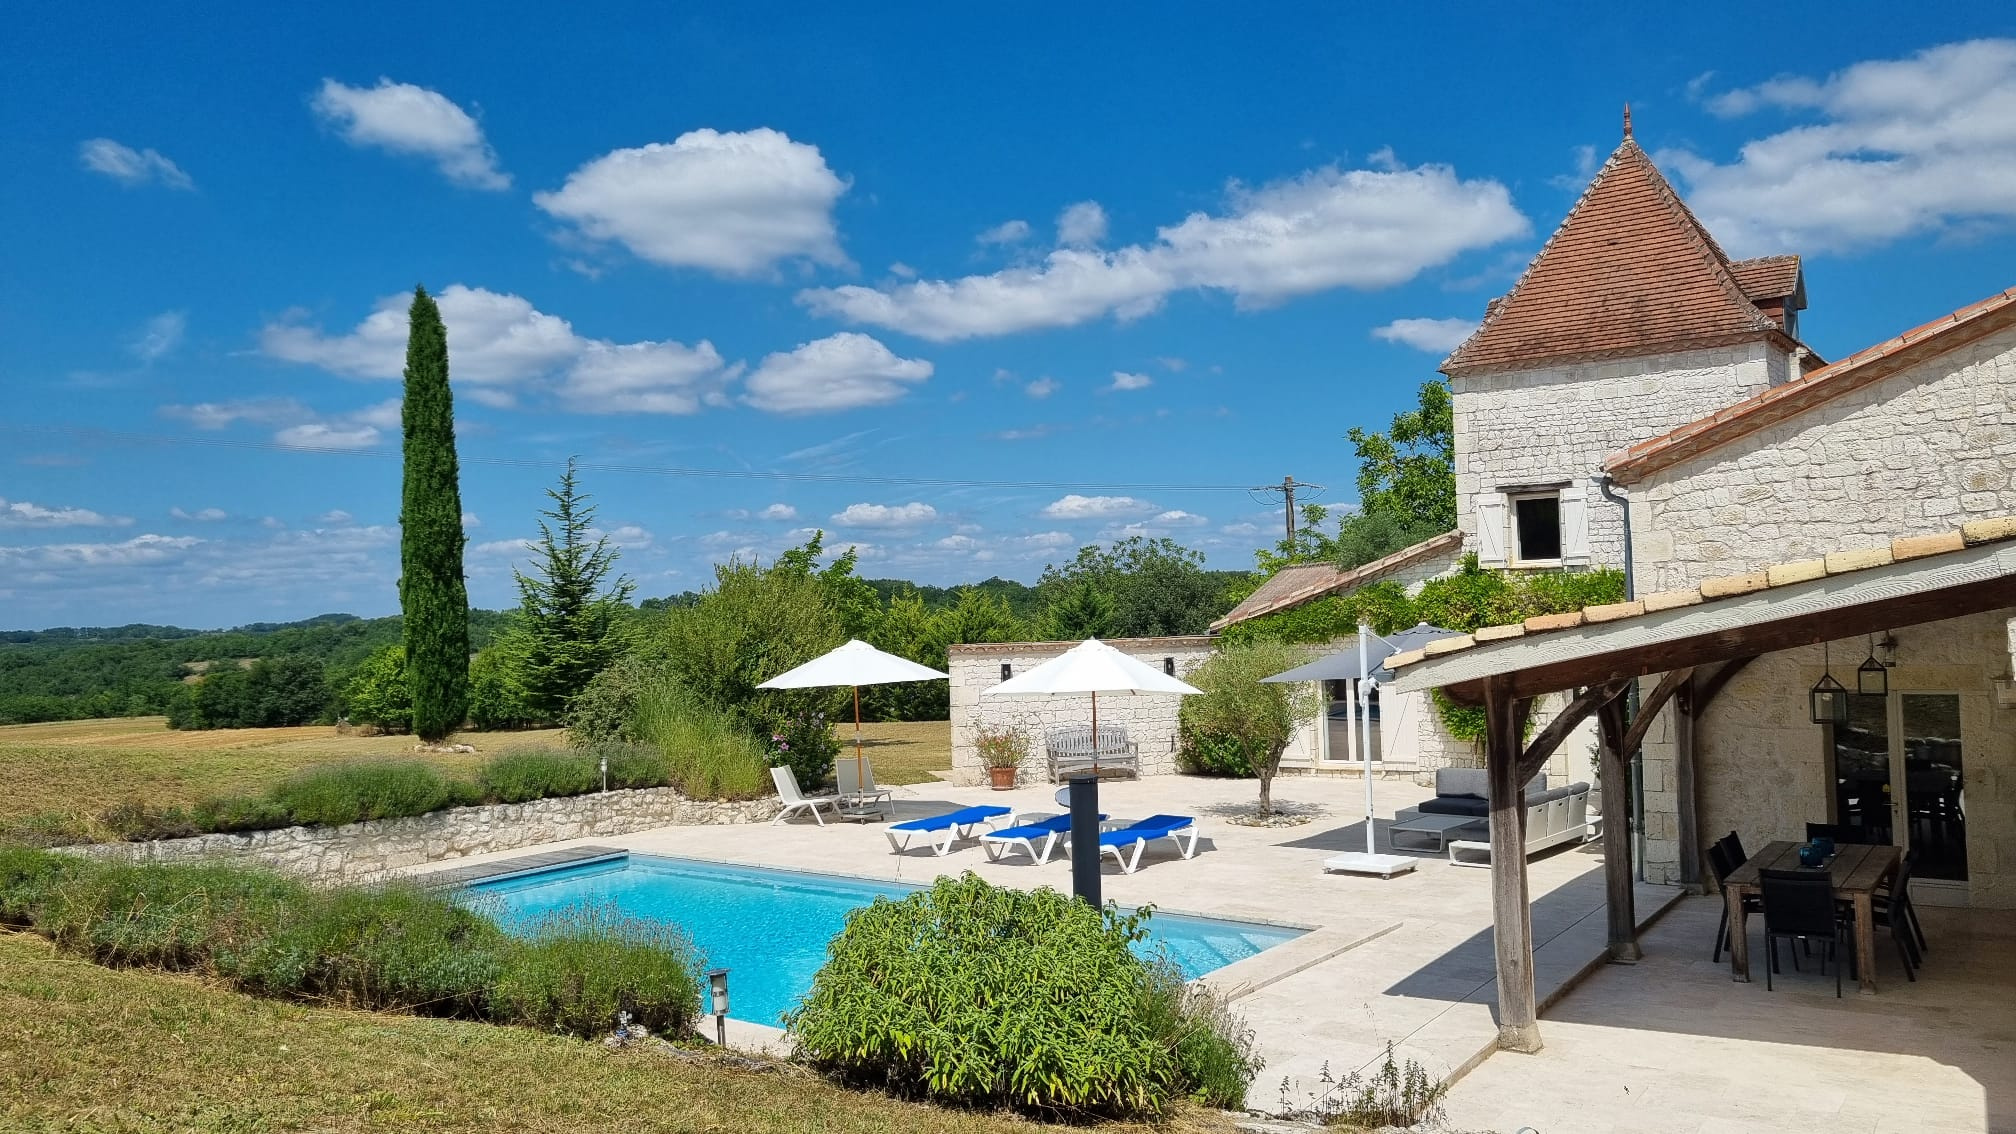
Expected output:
{"points": [[369, 852]]}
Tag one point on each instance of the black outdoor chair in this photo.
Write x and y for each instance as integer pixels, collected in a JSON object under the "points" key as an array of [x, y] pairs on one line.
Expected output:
{"points": [[1843, 834], [1720, 868], [1732, 845], [1895, 914], [1897, 899], [1798, 904]]}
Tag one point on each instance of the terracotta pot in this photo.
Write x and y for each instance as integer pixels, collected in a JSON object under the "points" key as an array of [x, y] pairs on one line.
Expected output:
{"points": [[1002, 778]]}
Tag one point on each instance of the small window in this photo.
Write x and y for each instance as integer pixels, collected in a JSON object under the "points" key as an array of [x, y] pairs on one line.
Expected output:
{"points": [[1536, 528], [1007, 671]]}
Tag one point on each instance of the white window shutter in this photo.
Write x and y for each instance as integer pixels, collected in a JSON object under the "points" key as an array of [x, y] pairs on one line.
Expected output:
{"points": [[1575, 525], [1491, 529]]}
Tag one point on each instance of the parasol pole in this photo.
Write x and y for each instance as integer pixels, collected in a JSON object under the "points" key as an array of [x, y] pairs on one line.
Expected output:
{"points": [[1095, 732], [1365, 723], [858, 785]]}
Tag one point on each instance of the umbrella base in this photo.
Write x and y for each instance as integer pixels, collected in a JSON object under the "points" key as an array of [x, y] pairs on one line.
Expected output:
{"points": [[1360, 862]]}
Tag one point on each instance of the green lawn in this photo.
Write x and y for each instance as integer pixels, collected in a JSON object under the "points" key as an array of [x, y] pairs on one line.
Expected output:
{"points": [[85, 1048]]}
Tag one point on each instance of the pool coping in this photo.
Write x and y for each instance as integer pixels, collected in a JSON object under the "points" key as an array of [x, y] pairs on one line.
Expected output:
{"points": [[457, 876]]}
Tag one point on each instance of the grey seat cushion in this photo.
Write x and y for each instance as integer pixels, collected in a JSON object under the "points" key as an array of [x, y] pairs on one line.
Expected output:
{"points": [[1455, 805]]}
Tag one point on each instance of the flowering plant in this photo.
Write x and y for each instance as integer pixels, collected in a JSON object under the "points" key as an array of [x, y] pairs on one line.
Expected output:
{"points": [[805, 743]]}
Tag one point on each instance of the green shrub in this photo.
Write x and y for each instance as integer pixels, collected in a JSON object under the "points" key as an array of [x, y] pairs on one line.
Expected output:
{"points": [[538, 773], [709, 754], [1205, 753], [137, 822], [394, 947], [387, 789], [805, 744], [978, 995], [165, 916], [1214, 1048], [634, 765], [576, 969], [379, 692], [605, 711], [239, 813]]}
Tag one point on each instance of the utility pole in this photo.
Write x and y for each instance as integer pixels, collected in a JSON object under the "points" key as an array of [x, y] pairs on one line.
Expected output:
{"points": [[1287, 488]]}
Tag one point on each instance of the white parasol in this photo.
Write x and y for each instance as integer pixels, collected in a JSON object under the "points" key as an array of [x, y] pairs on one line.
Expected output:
{"points": [[855, 664]]}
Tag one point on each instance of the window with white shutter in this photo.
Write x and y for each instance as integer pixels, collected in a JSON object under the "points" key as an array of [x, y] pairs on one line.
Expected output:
{"points": [[1536, 529], [1491, 529], [1575, 526]]}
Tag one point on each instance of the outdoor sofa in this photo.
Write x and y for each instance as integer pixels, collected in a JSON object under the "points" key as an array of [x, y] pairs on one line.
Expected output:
{"points": [[1553, 815]]}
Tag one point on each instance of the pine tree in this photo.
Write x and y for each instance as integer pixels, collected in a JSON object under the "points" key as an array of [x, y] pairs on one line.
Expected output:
{"points": [[570, 627], [432, 593]]}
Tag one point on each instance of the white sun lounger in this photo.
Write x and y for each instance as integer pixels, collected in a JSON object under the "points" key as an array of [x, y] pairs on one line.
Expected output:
{"points": [[1178, 829], [796, 800], [1035, 839], [943, 830]]}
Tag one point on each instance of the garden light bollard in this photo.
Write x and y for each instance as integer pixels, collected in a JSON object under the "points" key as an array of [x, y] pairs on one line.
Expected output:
{"points": [[717, 988], [1085, 837]]}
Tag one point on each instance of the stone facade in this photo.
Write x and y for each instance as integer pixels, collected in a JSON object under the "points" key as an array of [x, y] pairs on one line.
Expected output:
{"points": [[1556, 425], [1916, 452], [1920, 451], [370, 852], [1150, 721]]}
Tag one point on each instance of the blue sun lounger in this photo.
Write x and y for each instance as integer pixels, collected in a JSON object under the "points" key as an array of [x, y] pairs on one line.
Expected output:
{"points": [[943, 829], [1027, 836], [1178, 829]]}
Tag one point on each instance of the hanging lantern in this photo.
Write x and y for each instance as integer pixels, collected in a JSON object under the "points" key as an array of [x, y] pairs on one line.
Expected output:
{"points": [[1871, 678], [1829, 698]]}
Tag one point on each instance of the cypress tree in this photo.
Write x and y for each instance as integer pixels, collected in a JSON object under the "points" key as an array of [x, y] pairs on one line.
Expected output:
{"points": [[432, 594]]}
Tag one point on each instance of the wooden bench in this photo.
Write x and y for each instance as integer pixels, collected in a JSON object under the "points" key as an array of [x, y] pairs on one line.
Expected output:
{"points": [[1072, 751]]}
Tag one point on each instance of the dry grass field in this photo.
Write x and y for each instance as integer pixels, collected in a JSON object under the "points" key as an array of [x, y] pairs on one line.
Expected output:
{"points": [[85, 1048], [80, 768]]}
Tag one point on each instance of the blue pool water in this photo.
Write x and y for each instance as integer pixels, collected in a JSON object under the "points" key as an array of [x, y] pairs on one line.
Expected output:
{"points": [[771, 927]]}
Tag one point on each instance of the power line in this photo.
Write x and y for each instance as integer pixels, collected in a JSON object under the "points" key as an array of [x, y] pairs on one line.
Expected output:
{"points": [[1287, 489], [110, 436]]}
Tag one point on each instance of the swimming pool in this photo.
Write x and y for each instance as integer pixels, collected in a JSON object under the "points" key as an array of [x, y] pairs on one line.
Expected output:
{"points": [[771, 927]]}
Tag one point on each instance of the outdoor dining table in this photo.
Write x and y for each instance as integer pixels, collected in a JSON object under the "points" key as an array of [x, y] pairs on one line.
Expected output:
{"points": [[1857, 872]]}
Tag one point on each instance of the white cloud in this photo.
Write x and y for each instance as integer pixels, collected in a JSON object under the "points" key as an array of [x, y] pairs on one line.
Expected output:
{"points": [[779, 512], [647, 377], [1172, 364], [129, 166], [159, 336], [1076, 507], [902, 271], [733, 203], [1042, 387], [254, 411], [200, 516], [470, 520], [493, 338], [1122, 380], [1924, 145], [1242, 528], [26, 514], [1327, 228], [500, 548], [1007, 232], [839, 372], [958, 543], [328, 435], [407, 119], [1082, 225], [1177, 517], [299, 426], [335, 518], [1048, 539], [139, 549], [1436, 336], [629, 537], [886, 515]]}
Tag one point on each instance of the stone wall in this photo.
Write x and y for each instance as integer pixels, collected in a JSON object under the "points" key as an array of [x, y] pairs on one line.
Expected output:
{"points": [[1920, 451], [369, 852], [1560, 423], [1150, 720]]}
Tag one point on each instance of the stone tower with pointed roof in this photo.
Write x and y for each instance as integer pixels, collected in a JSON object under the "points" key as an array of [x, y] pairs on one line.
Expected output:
{"points": [[1630, 322]]}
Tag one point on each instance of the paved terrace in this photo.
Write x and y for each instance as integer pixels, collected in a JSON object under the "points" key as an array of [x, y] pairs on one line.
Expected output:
{"points": [[1407, 959]]}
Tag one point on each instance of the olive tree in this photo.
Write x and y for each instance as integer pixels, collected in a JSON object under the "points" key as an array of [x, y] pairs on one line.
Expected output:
{"points": [[1237, 708]]}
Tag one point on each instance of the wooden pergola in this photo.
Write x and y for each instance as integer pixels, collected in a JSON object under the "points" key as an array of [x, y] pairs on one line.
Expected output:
{"points": [[1696, 648]]}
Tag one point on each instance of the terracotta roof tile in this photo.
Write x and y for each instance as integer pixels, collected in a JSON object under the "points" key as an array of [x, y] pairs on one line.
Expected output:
{"points": [[1295, 585], [1972, 322], [1767, 277], [1629, 272]]}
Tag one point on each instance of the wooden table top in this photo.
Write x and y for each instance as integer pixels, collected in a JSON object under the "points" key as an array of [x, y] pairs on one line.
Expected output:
{"points": [[1855, 868]]}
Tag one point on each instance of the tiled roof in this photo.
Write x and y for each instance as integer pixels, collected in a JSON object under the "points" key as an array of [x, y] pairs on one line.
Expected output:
{"points": [[1629, 272], [1124, 645], [1293, 586], [1901, 549], [1780, 402], [1767, 277]]}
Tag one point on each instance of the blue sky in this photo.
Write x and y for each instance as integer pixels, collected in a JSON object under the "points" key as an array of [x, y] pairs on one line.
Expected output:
{"points": [[1067, 246]]}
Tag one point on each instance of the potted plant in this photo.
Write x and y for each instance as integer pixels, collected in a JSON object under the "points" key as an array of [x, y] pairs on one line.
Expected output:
{"points": [[1002, 750]]}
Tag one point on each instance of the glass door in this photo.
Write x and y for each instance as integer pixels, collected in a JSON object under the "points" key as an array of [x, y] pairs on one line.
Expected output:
{"points": [[1862, 768], [1932, 811]]}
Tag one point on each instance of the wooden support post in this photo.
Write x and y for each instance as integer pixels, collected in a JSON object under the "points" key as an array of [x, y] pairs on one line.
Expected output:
{"points": [[1689, 834], [1620, 898], [1512, 919]]}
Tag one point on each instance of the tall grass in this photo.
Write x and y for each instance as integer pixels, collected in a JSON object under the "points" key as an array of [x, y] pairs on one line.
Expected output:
{"points": [[400, 947], [710, 754], [383, 789]]}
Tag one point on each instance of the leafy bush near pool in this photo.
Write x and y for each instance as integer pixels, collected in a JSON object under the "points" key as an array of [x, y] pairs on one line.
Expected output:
{"points": [[1204, 753], [400, 948], [574, 971], [978, 995], [539, 773], [388, 789], [710, 755]]}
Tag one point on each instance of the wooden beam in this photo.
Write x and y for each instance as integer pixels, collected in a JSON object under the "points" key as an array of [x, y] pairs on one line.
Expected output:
{"points": [[1511, 917], [1685, 813], [1620, 899], [1705, 690], [1541, 747], [1648, 710], [1797, 628]]}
